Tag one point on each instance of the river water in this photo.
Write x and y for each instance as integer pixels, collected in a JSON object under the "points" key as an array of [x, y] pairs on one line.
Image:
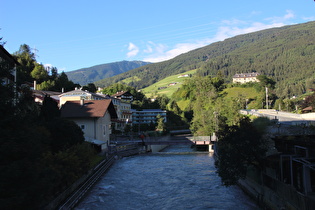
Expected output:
{"points": [[176, 178]]}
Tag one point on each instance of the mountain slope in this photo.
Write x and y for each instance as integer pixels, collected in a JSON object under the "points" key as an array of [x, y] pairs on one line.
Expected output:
{"points": [[89, 75], [286, 54]]}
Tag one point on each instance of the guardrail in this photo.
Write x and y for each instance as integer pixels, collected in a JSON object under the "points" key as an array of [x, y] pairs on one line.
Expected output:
{"points": [[77, 195]]}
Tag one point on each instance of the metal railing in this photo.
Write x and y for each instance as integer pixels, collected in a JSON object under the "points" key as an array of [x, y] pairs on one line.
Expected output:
{"points": [[77, 195]]}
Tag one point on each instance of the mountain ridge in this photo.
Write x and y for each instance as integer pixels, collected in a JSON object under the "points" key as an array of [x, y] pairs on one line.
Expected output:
{"points": [[91, 74], [286, 54]]}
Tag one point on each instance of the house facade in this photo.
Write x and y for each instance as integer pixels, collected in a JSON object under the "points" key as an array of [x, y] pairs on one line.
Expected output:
{"points": [[8, 61], [94, 117], [245, 77], [123, 110]]}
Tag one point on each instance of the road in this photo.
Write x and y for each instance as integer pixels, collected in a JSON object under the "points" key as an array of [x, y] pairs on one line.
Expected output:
{"points": [[280, 116]]}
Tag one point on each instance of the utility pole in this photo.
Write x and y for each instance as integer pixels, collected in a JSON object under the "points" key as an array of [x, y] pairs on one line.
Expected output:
{"points": [[266, 98]]}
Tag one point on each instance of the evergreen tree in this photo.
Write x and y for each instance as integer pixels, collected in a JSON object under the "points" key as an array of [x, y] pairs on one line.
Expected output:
{"points": [[160, 123]]}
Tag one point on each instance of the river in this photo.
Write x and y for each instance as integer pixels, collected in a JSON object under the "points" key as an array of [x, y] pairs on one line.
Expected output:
{"points": [[177, 178]]}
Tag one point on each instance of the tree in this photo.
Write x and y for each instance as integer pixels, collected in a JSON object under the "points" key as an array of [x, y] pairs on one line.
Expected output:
{"points": [[265, 81], [39, 157], [27, 60], [63, 83], [53, 73], [160, 123], [2, 43], [64, 134], [46, 85], [162, 101], [239, 147], [39, 73], [49, 109], [174, 107], [90, 87]]}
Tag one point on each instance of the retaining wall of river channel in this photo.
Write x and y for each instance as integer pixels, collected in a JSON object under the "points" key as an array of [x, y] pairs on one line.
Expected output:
{"points": [[68, 198]]}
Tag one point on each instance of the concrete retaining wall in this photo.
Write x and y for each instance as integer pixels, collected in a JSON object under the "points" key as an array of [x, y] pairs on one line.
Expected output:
{"points": [[157, 148]]}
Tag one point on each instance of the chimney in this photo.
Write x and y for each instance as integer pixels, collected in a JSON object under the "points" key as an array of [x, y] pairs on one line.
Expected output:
{"points": [[34, 85], [81, 101]]}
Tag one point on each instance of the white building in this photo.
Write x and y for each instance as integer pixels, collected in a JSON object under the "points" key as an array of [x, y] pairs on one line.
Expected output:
{"points": [[245, 77]]}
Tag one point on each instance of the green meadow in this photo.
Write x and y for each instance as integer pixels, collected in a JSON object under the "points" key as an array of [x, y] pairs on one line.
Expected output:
{"points": [[166, 86]]}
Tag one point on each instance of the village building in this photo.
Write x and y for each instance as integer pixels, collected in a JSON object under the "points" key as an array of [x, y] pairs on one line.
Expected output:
{"points": [[124, 96], [245, 77], [39, 95], [77, 95], [123, 110], [8, 61], [94, 117], [147, 116]]}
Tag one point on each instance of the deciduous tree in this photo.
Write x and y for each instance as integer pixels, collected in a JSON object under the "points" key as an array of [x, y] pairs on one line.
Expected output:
{"points": [[240, 146]]}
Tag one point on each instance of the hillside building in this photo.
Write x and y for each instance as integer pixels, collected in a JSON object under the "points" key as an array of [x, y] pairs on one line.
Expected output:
{"points": [[245, 77]]}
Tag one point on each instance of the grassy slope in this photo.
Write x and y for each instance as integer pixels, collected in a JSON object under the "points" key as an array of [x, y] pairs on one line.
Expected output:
{"points": [[236, 92], [152, 90]]}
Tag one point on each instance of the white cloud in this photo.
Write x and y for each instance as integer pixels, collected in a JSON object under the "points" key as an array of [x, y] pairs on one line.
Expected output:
{"points": [[234, 22], [149, 48], [48, 66], [309, 18], [133, 50], [289, 15], [230, 31], [161, 52]]}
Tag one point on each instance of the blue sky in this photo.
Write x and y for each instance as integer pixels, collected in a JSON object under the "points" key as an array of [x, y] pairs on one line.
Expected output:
{"points": [[72, 34]]}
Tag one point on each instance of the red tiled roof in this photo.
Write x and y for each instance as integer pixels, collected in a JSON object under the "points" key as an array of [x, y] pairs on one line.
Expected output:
{"points": [[243, 75], [90, 108]]}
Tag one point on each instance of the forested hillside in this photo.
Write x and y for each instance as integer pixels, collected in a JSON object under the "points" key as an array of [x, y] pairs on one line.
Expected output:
{"points": [[285, 54], [85, 76]]}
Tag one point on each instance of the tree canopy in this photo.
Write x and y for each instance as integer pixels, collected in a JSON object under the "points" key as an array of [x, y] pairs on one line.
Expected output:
{"points": [[239, 147], [40, 154], [47, 78]]}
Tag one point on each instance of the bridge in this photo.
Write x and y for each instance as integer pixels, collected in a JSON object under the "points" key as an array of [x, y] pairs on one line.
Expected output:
{"points": [[170, 140]]}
